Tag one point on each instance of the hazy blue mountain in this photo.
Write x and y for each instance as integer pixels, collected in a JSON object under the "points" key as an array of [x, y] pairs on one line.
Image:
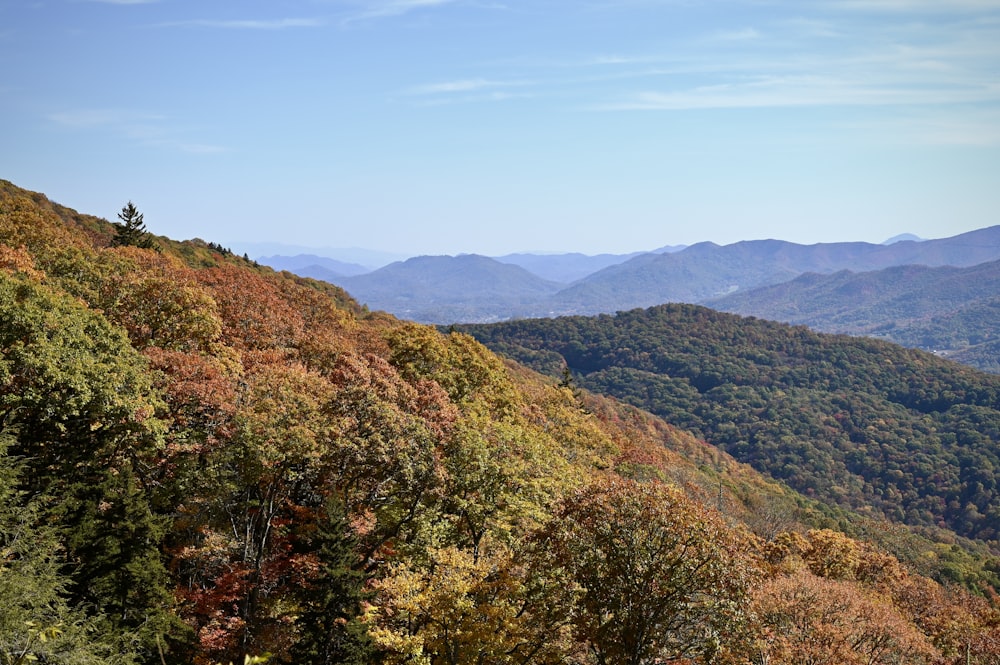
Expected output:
{"points": [[447, 289], [901, 237], [948, 310], [317, 267], [474, 288], [670, 249], [564, 268], [369, 258], [706, 270], [852, 302]]}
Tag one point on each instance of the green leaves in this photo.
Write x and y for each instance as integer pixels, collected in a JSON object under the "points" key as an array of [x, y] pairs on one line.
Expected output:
{"points": [[659, 573], [67, 372]]}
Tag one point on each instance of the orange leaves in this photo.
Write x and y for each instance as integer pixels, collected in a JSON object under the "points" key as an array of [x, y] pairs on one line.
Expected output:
{"points": [[18, 260], [254, 315], [814, 621]]}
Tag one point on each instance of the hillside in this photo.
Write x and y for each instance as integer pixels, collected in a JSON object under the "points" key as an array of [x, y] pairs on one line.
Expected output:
{"points": [[855, 422], [205, 461], [952, 311]]}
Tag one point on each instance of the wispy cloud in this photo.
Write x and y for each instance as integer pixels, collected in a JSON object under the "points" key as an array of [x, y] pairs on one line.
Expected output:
{"points": [[744, 34], [911, 6], [376, 9], [464, 85], [250, 24], [147, 129], [801, 91], [468, 90]]}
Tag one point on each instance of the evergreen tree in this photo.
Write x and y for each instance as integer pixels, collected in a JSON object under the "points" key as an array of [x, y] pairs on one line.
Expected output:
{"points": [[131, 231], [332, 632], [38, 623]]}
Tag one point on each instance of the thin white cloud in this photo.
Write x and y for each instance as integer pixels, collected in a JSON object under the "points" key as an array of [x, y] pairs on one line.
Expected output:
{"points": [[462, 86], [464, 91], [745, 34], [919, 6], [376, 9], [803, 90], [250, 24]]}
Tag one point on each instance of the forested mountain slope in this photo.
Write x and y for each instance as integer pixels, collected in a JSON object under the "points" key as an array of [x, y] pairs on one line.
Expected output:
{"points": [[857, 422], [952, 311], [202, 460], [706, 270]]}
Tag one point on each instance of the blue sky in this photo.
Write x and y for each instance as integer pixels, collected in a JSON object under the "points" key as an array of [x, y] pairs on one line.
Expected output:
{"points": [[492, 126]]}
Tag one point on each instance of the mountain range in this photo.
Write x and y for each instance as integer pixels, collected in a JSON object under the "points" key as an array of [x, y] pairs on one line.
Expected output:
{"points": [[440, 289], [928, 294], [951, 311]]}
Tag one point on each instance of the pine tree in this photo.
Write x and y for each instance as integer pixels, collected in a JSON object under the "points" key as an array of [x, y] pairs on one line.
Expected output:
{"points": [[131, 231], [331, 629], [38, 621]]}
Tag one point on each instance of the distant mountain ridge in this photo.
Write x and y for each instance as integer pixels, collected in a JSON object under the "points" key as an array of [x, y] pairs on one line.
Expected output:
{"points": [[944, 309], [305, 265], [467, 287], [479, 289], [706, 270], [564, 268]]}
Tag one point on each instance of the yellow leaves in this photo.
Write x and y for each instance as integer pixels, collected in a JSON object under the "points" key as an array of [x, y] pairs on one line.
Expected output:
{"points": [[286, 416], [457, 609], [459, 364], [833, 555]]}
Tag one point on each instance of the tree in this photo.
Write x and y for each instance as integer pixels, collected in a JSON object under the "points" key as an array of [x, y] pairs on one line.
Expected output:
{"points": [[79, 399], [37, 621], [131, 231], [331, 605], [809, 620], [662, 577]]}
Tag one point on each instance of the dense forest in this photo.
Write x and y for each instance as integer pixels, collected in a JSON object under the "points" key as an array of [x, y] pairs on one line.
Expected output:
{"points": [[857, 422], [205, 461]]}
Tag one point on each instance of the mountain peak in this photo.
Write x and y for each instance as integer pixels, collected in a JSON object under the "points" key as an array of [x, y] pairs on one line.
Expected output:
{"points": [[903, 237]]}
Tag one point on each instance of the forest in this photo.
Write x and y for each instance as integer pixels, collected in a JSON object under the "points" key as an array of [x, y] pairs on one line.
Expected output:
{"points": [[206, 461], [856, 422]]}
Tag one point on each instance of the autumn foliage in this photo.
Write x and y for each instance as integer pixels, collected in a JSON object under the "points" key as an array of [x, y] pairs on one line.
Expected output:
{"points": [[203, 460]]}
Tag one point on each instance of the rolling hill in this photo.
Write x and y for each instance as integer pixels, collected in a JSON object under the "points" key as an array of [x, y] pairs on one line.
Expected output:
{"points": [[951, 311], [857, 422]]}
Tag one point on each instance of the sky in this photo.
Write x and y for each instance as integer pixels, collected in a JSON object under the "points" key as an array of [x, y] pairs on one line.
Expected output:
{"points": [[497, 126]]}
